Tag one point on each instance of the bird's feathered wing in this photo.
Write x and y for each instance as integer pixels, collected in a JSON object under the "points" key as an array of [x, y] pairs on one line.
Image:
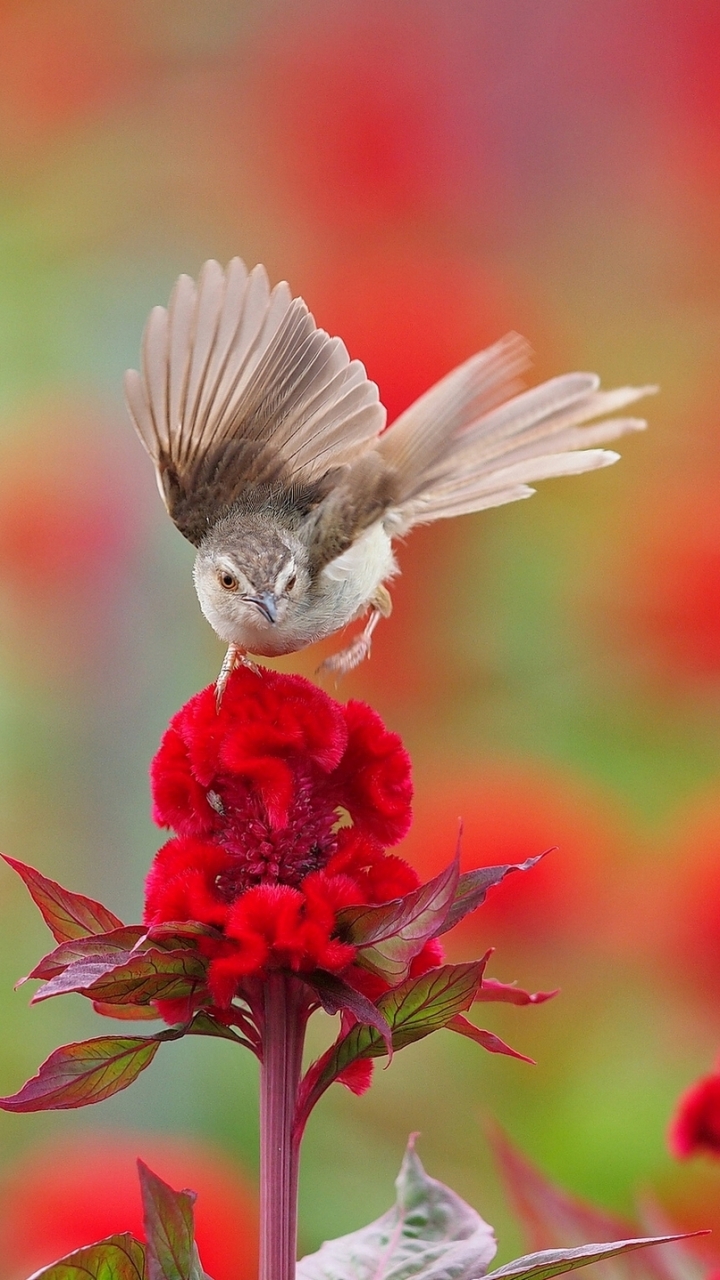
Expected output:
{"points": [[453, 453], [239, 388]]}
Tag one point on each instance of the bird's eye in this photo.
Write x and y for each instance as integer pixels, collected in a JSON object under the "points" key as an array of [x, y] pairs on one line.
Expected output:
{"points": [[291, 582], [228, 580]]}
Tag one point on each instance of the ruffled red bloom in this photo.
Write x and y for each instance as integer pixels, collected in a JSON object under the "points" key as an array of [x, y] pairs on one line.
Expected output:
{"points": [[257, 793], [696, 1125]]}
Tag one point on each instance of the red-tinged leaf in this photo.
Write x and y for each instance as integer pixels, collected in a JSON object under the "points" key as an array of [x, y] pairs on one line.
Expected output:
{"points": [[487, 1039], [413, 1010], [390, 935], [134, 977], [491, 991], [556, 1262], [127, 1012], [553, 1218], [472, 888], [169, 1229], [118, 1257], [67, 915], [337, 996], [96, 946], [79, 1074]]}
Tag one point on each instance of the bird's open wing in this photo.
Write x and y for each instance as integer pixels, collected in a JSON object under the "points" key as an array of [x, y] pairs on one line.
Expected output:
{"points": [[453, 452], [239, 387]]}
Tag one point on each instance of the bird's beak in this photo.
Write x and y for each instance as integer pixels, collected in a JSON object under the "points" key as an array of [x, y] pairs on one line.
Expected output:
{"points": [[266, 603]]}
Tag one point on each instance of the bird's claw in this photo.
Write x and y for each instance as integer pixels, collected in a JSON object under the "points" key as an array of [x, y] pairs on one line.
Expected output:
{"points": [[233, 658], [355, 653], [340, 663]]}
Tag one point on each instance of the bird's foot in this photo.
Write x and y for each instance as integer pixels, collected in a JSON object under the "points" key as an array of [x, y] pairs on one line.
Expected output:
{"points": [[234, 657], [340, 663]]}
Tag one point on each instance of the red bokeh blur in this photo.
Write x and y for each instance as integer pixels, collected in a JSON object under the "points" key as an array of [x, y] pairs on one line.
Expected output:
{"points": [[685, 899], [695, 1127], [356, 114], [409, 315], [511, 812], [670, 599], [73, 1191], [69, 524]]}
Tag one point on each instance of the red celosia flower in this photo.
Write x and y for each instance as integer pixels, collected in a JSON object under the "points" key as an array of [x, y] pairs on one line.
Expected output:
{"points": [[257, 792], [696, 1125]]}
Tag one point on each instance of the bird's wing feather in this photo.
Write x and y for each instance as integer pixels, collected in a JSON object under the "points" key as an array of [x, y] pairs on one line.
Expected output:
{"points": [[238, 388], [454, 452]]}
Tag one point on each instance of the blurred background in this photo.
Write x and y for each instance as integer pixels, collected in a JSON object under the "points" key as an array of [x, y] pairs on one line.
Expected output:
{"points": [[427, 176]]}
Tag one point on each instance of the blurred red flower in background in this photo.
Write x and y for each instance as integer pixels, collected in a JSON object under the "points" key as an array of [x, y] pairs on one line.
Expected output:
{"points": [[410, 316], [695, 1127], [512, 811], [357, 111], [68, 525], [671, 591], [685, 898], [72, 1191]]}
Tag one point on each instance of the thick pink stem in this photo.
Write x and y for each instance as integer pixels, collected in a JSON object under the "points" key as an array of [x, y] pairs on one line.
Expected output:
{"points": [[285, 1017]]}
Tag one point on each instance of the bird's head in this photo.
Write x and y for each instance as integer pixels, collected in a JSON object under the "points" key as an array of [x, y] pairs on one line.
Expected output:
{"points": [[249, 574]]}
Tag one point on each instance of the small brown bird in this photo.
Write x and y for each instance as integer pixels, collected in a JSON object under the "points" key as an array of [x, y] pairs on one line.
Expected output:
{"points": [[272, 456]]}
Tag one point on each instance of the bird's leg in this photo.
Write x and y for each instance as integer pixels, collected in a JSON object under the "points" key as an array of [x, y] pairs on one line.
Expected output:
{"points": [[356, 652], [234, 657]]}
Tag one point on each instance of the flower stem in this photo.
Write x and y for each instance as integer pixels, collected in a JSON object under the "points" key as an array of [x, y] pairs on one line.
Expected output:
{"points": [[285, 1017]]}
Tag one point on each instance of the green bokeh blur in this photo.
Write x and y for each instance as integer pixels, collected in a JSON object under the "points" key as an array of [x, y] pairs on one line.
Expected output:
{"points": [[427, 176]]}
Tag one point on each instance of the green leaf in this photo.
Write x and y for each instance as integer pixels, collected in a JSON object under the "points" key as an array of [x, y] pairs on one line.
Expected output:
{"points": [[430, 1233], [67, 915], [555, 1262], [390, 935], [119, 1257], [135, 977], [79, 1074], [169, 1229], [413, 1010]]}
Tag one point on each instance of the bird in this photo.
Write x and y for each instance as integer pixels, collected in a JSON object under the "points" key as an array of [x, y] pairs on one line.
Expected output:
{"points": [[274, 459]]}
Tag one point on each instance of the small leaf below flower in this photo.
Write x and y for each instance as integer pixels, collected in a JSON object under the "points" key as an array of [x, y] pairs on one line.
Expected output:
{"points": [[119, 1257], [169, 1229], [134, 977], [95, 946], [68, 915], [487, 1039], [430, 1233]]}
